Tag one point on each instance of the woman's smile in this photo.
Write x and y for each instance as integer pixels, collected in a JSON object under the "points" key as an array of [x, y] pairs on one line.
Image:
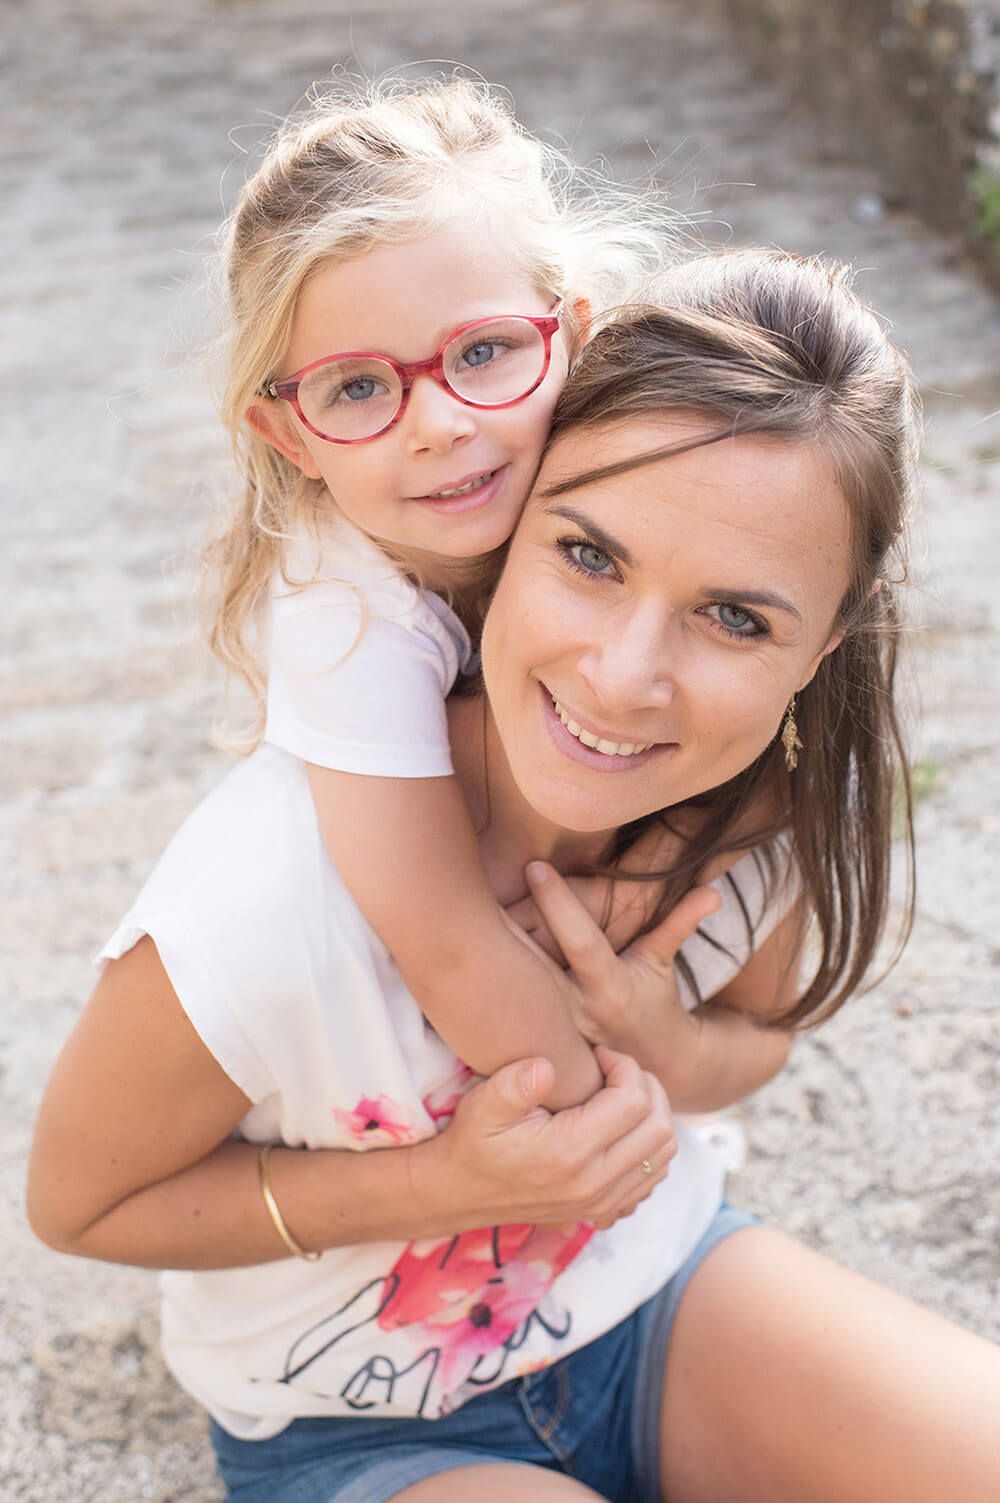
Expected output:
{"points": [[595, 748]]}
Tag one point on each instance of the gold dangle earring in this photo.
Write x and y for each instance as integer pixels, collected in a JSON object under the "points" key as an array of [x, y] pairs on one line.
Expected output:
{"points": [[790, 738]]}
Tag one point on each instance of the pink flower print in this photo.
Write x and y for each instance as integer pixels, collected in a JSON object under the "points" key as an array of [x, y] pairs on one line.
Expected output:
{"points": [[377, 1122], [434, 1275], [477, 1325], [468, 1294], [442, 1099]]}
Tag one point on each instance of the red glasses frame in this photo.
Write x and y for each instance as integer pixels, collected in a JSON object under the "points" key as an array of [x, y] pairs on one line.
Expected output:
{"points": [[288, 390]]}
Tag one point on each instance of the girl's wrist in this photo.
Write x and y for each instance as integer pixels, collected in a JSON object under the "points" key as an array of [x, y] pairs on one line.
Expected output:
{"points": [[677, 1065]]}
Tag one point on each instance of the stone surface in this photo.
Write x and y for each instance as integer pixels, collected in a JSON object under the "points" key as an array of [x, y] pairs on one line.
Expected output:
{"points": [[914, 85], [124, 124]]}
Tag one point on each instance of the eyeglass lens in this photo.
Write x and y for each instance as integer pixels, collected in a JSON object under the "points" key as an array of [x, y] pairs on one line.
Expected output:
{"points": [[488, 365]]}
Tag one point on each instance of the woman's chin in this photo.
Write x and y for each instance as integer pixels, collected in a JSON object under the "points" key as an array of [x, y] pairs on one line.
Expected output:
{"points": [[565, 804]]}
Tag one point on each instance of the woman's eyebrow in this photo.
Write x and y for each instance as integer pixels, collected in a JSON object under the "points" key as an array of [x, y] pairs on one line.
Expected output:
{"points": [[611, 546], [603, 539], [752, 597]]}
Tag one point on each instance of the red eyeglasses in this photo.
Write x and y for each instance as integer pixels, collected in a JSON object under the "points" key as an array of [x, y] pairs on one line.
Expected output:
{"points": [[493, 362]]}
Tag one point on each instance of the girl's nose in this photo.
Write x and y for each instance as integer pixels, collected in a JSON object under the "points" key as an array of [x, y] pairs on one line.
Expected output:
{"points": [[434, 420]]}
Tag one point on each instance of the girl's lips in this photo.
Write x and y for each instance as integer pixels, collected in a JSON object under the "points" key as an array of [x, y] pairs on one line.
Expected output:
{"points": [[481, 496], [587, 756]]}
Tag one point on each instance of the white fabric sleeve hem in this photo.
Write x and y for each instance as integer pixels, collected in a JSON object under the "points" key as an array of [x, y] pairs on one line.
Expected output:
{"points": [[203, 1002], [371, 761]]}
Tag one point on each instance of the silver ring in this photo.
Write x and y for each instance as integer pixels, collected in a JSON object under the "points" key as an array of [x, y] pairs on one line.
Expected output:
{"points": [[646, 1167]]}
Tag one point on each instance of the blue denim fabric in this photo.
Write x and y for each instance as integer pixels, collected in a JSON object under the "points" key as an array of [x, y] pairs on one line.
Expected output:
{"points": [[594, 1416]]}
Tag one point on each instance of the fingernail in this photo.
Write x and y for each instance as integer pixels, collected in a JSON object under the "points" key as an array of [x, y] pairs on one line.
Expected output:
{"points": [[526, 1079], [537, 871]]}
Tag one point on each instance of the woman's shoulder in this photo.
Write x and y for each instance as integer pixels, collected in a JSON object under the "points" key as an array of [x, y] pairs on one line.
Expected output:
{"points": [[757, 892]]}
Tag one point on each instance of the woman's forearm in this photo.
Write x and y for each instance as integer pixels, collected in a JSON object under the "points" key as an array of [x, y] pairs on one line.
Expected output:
{"points": [[213, 1215], [134, 1161], [501, 1161]]}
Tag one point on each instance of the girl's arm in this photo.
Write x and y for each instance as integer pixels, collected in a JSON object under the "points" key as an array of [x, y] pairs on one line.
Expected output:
{"points": [[133, 1161], [707, 1058], [406, 850]]}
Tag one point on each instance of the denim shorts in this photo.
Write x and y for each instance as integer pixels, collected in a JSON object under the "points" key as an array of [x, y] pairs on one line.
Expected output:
{"points": [[595, 1416]]}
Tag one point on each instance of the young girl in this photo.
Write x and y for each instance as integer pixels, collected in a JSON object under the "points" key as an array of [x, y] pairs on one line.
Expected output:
{"points": [[409, 283]]}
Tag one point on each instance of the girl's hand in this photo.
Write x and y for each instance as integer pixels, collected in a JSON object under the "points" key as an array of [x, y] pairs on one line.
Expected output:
{"points": [[504, 1159], [628, 1002], [601, 896], [624, 904]]}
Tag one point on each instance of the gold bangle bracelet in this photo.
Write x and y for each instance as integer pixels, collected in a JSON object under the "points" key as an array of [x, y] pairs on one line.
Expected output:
{"points": [[273, 1211]]}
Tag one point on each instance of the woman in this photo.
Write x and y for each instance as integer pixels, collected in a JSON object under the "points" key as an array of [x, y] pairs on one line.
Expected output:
{"points": [[693, 603]]}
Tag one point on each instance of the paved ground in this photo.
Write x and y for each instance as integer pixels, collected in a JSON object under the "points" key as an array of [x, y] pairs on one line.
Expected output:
{"points": [[880, 1144]]}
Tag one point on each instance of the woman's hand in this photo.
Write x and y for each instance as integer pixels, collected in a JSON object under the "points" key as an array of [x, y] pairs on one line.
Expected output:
{"points": [[504, 1159], [628, 1002]]}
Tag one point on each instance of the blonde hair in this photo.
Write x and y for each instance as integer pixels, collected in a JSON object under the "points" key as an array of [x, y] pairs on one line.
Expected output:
{"points": [[387, 164], [757, 341]]}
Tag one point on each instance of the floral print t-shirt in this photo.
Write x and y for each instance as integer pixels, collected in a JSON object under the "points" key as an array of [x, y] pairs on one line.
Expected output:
{"points": [[299, 1001]]}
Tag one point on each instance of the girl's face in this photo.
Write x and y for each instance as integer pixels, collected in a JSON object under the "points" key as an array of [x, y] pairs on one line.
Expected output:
{"points": [[404, 300], [675, 608]]}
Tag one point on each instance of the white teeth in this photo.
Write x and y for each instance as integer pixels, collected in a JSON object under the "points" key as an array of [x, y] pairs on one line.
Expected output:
{"points": [[607, 748], [462, 490]]}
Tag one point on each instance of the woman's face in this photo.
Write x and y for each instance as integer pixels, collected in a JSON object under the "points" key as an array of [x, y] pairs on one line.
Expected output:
{"points": [[675, 608]]}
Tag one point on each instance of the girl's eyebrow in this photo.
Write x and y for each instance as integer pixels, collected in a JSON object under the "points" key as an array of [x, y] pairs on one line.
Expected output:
{"points": [[603, 539]]}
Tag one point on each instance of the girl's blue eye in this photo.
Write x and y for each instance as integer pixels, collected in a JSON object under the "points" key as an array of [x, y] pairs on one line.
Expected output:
{"points": [[479, 354], [360, 389]]}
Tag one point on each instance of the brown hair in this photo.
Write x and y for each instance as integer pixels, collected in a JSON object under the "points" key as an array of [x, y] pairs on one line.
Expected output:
{"points": [[758, 341]]}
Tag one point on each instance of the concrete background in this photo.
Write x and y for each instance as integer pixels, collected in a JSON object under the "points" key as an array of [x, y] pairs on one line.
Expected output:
{"points": [[912, 84], [123, 128]]}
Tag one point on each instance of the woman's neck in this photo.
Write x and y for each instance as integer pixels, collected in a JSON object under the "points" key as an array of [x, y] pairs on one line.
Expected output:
{"points": [[511, 832]]}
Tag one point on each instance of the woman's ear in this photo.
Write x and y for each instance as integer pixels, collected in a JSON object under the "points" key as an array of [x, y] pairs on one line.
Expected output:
{"points": [[834, 641], [830, 645], [274, 425]]}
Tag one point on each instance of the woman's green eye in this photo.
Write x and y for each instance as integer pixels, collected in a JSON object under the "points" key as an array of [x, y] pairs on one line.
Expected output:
{"points": [[735, 621], [589, 558]]}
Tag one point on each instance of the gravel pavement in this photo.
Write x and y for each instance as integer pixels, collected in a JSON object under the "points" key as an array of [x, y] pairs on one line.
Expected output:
{"points": [[124, 126]]}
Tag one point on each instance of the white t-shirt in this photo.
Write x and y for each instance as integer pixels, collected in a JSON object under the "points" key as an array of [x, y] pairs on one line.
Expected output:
{"points": [[360, 661], [299, 1001]]}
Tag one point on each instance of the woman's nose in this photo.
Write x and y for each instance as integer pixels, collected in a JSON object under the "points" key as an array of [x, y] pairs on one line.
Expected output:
{"points": [[435, 420], [632, 669]]}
